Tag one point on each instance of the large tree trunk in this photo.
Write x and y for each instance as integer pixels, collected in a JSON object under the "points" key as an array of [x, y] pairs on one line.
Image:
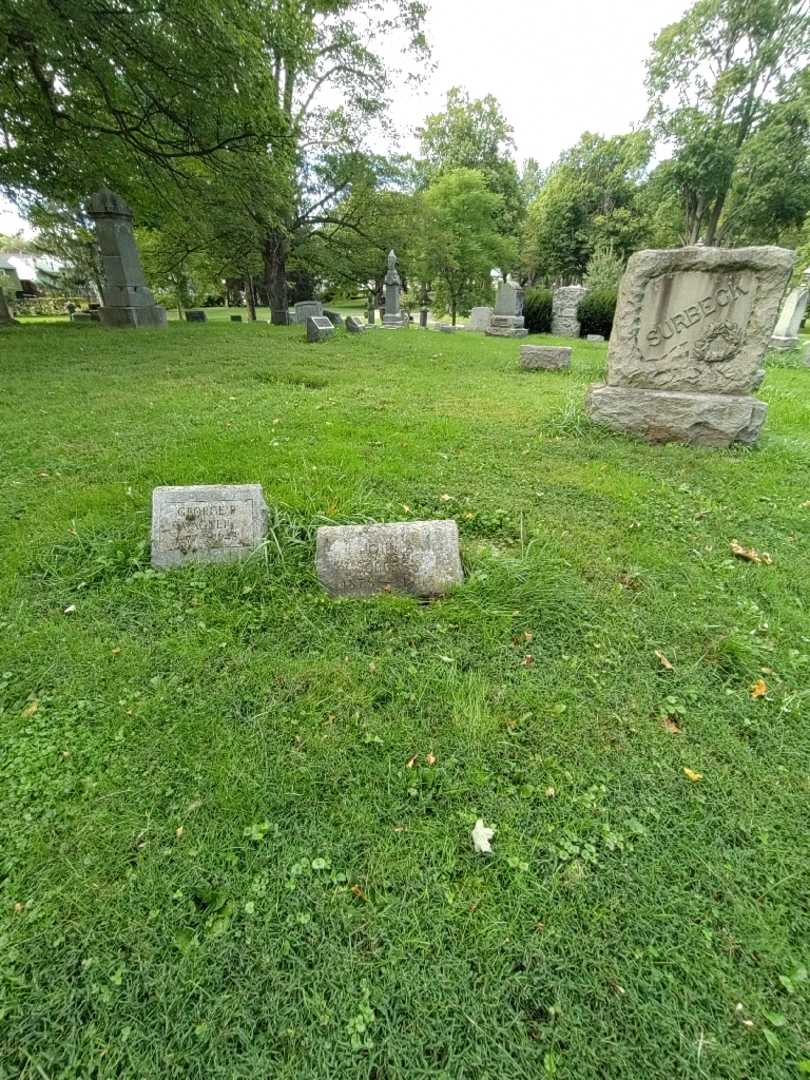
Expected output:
{"points": [[276, 250]]}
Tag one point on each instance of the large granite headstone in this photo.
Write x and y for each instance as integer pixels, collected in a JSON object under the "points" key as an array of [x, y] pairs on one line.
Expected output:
{"points": [[479, 319], [319, 328], [305, 308], [393, 318], [206, 523], [418, 557], [507, 319], [127, 300], [564, 303], [786, 331], [689, 335]]}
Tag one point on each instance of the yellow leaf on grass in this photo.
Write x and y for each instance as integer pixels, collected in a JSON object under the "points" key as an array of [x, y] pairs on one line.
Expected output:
{"points": [[663, 661], [759, 689], [409, 764], [750, 554], [670, 724], [692, 775], [31, 708], [431, 759]]}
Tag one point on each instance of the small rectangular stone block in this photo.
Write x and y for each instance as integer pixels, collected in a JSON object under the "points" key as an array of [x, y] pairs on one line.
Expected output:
{"points": [[141, 318], [319, 328], [594, 337], [353, 325], [548, 357], [196, 316], [206, 523], [417, 557]]}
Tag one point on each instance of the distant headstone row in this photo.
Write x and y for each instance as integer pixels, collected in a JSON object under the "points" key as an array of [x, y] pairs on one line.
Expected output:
{"points": [[228, 522]]}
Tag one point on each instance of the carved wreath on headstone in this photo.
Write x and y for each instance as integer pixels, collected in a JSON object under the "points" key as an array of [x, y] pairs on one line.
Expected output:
{"points": [[719, 344]]}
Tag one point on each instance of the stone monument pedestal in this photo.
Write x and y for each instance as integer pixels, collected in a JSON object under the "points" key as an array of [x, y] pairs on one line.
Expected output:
{"points": [[127, 299], [690, 331], [508, 320]]}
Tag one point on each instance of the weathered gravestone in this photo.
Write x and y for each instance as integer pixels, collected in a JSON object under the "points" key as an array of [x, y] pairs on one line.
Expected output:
{"points": [[127, 300], [393, 318], [786, 331], [196, 316], [690, 331], [305, 308], [545, 357], [334, 317], [319, 328], [210, 523], [595, 337], [423, 318], [508, 320], [6, 318], [236, 318], [479, 319], [353, 325], [564, 303], [418, 557]]}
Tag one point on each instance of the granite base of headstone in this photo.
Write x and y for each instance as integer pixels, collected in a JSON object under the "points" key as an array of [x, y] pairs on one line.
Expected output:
{"points": [[545, 357], [319, 328], [195, 315], [507, 319], [564, 304], [127, 299], [417, 557], [207, 523], [236, 318], [353, 325], [692, 326]]}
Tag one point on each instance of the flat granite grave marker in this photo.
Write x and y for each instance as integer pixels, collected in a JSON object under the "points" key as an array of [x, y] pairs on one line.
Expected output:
{"points": [[545, 357], [196, 316], [689, 335], [127, 300], [319, 328], [206, 523], [417, 557], [236, 318]]}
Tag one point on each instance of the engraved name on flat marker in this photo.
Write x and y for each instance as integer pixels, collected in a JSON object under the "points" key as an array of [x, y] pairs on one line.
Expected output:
{"points": [[206, 523]]}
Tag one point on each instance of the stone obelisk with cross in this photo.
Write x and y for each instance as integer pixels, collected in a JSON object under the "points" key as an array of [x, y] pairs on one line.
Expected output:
{"points": [[393, 318], [127, 299]]}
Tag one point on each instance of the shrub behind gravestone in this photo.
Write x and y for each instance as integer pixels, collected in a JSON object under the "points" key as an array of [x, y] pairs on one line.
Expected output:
{"points": [[595, 312], [537, 310]]}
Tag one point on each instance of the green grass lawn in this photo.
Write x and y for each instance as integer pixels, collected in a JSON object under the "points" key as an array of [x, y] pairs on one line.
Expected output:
{"points": [[224, 852]]}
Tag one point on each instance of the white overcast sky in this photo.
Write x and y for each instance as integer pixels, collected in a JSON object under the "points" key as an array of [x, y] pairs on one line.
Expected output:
{"points": [[557, 67]]}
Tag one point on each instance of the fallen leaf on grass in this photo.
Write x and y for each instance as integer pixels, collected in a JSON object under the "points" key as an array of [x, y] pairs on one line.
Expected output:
{"points": [[663, 661], [358, 892], [409, 764], [31, 708], [550, 792], [70, 609], [178, 832], [670, 724], [527, 661], [481, 837], [692, 775], [750, 554], [759, 689], [431, 759]]}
